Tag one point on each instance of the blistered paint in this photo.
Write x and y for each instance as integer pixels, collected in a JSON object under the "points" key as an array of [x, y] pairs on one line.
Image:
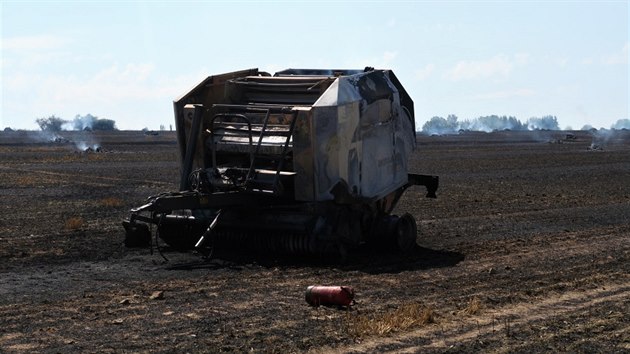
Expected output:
{"points": [[360, 138], [355, 134]]}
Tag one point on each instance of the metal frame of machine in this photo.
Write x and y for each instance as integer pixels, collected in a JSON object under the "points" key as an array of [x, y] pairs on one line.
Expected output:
{"points": [[301, 162]]}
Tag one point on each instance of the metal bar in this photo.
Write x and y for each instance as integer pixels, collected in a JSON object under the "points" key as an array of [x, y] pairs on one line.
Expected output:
{"points": [[431, 182], [252, 168], [284, 150], [193, 200], [275, 108], [212, 132], [207, 235], [191, 146]]}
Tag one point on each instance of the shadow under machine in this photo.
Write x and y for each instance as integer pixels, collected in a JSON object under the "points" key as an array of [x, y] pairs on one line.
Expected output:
{"points": [[301, 162]]}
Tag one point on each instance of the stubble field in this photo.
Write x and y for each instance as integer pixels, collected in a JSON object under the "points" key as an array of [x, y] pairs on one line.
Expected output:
{"points": [[526, 249]]}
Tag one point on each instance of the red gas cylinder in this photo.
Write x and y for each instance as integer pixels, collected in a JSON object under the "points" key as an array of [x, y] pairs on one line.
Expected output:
{"points": [[329, 295]]}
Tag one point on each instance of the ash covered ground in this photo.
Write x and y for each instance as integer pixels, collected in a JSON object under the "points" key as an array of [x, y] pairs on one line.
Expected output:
{"points": [[526, 249]]}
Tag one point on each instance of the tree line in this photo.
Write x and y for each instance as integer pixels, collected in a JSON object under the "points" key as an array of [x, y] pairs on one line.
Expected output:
{"points": [[451, 124], [436, 125], [87, 122]]}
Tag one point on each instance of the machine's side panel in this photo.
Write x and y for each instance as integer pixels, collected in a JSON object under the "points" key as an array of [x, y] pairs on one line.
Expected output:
{"points": [[303, 153], [350, 149], [359, 138], [378, 171], [326, 151]]}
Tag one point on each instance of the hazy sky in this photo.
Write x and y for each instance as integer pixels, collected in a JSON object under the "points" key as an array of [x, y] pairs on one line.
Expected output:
{"points": [[128, 61]]}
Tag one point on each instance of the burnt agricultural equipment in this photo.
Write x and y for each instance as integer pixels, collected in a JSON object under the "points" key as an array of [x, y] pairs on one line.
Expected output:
{"points": [[301, 162]]}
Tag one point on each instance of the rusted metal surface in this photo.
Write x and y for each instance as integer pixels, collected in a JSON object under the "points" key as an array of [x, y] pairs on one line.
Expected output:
{"points": [[352, 129], [357, 134], [305, 161]]}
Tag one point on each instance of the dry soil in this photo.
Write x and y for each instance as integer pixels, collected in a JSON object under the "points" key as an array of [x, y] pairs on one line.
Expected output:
{"points": [[526, 249]]}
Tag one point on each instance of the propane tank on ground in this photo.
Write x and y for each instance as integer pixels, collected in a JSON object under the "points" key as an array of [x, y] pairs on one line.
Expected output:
{"points": [[317, 295]]}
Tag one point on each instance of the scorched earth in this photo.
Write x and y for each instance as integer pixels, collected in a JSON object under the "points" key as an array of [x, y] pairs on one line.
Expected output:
{"points": [[526, 249]]}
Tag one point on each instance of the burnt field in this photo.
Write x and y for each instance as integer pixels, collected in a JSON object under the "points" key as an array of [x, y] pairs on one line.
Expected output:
{"points": [[526, 249]]}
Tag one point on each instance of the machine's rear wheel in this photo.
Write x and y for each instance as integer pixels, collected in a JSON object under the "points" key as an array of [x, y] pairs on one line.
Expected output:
{"points": [[406, 233], [181, 232]]}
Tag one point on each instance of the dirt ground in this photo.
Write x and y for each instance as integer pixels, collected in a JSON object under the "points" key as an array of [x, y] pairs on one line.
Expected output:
{"points": [[526, 249]]}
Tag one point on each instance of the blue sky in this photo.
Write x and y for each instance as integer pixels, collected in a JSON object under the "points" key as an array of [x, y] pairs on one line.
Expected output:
{"points": [[128, 61]]}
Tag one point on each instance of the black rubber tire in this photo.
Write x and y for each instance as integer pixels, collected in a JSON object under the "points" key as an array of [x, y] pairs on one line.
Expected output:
{"points": [[406, 233], [181, 237]]}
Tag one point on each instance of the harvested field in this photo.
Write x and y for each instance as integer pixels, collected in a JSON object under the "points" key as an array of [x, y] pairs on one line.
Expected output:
{"points": [[526, 249]]}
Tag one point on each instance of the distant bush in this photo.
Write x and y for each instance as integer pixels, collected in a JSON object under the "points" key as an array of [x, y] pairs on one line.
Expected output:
{"points": [[450, 124], [439, 125], [85, 123], [544, 123], [90, 122], [493, 123], [587, 127], [104, 124], [51, 124]]}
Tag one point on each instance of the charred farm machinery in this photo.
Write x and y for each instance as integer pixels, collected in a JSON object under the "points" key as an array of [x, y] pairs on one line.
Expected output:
{"points": [[299, 162]]}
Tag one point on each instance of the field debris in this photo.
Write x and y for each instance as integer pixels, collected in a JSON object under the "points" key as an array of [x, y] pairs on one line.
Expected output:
{"points": [[474, 307], [340, 296], [402, 318], [74, 223], [157, 295]]}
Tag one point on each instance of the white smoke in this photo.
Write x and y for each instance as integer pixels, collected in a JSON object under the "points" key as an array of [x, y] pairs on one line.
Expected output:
{"points": [[86, 140], [544, 123], [84, 122], [46, 136], [602, 138], [451, 125], [83, 146], [621, 124]]}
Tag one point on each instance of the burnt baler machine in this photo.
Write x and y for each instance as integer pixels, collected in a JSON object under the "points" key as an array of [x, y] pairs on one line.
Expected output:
{"points": [[301, 162]]}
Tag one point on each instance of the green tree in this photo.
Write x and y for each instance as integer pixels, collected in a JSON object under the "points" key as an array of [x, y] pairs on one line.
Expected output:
{"points": [[587, 127], [104, 124], [51, 124], [439, 125], [544, 123]]}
